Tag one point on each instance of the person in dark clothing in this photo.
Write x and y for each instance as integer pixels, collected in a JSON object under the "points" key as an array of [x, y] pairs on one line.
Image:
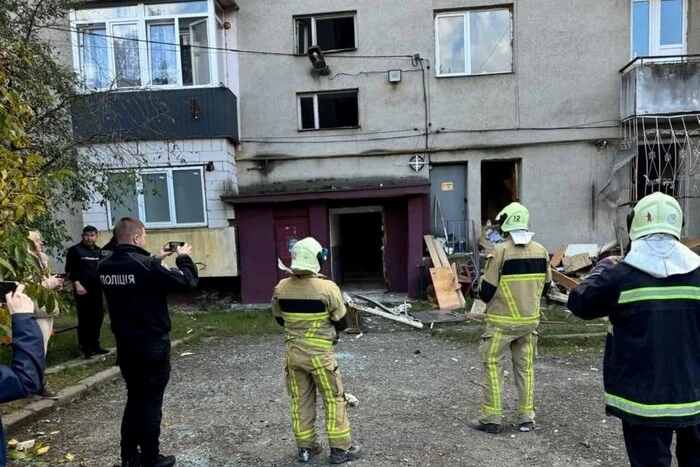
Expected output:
{"points": [[652, 353], [24, 376], [136, 287], [81, 267]]}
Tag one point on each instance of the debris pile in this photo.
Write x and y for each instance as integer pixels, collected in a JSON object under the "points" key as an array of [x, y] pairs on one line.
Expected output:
{"points": [[447, 283]]}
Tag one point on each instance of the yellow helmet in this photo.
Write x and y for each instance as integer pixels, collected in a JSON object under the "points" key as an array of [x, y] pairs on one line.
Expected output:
{"points": [[307, 256], [656, 213], [515, 216]]}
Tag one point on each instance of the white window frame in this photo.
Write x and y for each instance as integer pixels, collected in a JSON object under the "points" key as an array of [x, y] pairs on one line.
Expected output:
{"points": [[464, 14], [141, 203], [314, 39], [317, 125], [214, 27], [655, 46]]}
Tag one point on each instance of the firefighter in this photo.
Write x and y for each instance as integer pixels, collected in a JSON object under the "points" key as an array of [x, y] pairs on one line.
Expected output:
{"points": [[515, 277], [651, 367], [312, 311]]}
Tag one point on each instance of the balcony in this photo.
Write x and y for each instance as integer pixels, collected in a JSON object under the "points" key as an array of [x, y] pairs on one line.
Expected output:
{"points": [[143, 115], [654, 86]]}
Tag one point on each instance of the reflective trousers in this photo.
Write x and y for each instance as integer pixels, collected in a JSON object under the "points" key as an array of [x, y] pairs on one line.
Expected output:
{"points": [[307, 370], [495, 345]]}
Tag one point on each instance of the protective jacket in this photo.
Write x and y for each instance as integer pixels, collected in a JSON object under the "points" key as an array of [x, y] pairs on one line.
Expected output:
{"points": [[652, 352], [514, 280], [23, 377], [311, 309], [136, 285]]}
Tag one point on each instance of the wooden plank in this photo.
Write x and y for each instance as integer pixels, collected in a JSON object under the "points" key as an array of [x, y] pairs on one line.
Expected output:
{"points": [[444, 261], [558, 256], [565, 281], [457, 286], [429, 242], [443, 282], [576, 262]]}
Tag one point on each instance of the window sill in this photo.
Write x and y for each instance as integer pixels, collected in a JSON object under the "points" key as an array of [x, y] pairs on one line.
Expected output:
{"points": [[304, 130], [328, 52], [465, 75]]}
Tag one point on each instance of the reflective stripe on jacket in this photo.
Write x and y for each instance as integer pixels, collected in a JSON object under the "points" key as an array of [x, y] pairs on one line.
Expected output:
{"points": [[512, 284]]}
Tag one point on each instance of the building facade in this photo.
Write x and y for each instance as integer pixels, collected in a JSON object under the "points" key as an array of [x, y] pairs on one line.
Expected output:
{"points": [[160, 99], [370, 124]]}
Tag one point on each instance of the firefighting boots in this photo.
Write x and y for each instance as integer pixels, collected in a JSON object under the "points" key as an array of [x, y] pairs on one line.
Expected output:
{"points": [[305, 454], [338, 456]]}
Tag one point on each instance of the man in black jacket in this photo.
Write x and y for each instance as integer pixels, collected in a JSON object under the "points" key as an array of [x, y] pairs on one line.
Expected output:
{"points": [[136, 287], [81, 266], [652, 354]]}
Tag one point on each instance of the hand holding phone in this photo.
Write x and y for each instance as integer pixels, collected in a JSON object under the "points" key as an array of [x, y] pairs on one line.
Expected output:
{"points": [[173, 245], [16, 300]]}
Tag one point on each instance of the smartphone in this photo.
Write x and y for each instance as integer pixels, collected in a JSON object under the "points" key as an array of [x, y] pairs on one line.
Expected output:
{"points": [[172, 246], [5, 288]]}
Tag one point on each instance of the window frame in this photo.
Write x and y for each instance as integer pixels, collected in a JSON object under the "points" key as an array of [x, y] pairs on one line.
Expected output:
{"points": [[143, 21], [465, 13], [141, 204], [655, 48], [314, 40], [315, 95]]}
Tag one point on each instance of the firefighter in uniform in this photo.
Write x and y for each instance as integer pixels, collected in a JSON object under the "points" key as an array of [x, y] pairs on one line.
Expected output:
{"points": [[515, 277], [136, 286], [651, 369], [312, 311]]}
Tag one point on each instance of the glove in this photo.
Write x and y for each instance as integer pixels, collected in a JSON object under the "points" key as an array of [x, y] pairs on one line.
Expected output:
{"points": [[604, 265]]}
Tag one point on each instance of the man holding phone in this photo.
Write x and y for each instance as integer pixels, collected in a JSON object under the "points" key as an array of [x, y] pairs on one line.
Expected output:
{"points": [[23, 377], [136, 287], [81, 266]]}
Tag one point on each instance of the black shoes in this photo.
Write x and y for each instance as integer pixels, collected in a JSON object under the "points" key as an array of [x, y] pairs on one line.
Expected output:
{"points": [[161, 461], [46, 393], [101, 351], [338, 456], [89, 353], [305, 454], [492, 428]]}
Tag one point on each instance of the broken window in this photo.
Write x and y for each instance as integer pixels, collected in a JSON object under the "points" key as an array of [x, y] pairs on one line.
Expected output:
{"points": [[337, 109], [329, 32]]}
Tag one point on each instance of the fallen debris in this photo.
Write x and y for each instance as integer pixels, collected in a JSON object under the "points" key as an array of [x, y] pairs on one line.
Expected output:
{"points": [[576, 263], [448, 290], [379, 309]]}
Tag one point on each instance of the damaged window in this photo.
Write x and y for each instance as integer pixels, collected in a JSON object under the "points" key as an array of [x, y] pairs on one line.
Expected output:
{"points": [[337, 109], [330, 32]]}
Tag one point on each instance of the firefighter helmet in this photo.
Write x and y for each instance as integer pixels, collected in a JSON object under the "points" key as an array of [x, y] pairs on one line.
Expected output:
{"points": [[307, 256], [515, 216], [656, 213]]}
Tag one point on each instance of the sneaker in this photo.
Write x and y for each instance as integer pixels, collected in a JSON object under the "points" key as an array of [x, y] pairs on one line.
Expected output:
{"points": [[161, 461], [492, 428], [46, 393], [305, 454], [338, 456], [100, 351], [527, 426]]}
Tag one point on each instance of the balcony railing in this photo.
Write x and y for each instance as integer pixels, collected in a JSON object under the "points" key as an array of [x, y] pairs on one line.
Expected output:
{"points": [[666, 85]]}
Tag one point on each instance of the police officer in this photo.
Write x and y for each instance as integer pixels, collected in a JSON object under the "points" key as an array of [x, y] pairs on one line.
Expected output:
{"points": [[651, 367], [515, 277], [136, 287], [312, 311], [81, 266]]}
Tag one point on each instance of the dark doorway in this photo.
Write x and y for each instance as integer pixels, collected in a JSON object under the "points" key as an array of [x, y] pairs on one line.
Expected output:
{"points": [[499, 187], [361, 247]]}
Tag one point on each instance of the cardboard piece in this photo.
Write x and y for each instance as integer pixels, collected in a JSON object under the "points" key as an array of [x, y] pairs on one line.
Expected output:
{"points": [[577, 262]]}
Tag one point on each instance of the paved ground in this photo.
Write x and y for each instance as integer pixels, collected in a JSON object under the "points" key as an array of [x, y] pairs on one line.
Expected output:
{"points": [[226, 405]]}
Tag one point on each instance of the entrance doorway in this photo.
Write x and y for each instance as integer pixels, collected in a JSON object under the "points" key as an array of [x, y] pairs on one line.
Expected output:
{"points": [[499, 187], [357, 246]]}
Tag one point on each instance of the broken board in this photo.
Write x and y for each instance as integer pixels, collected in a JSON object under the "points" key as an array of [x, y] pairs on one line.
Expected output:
{"points": [[445, 290], [576, 262], [558, 256], [565, 281]]}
